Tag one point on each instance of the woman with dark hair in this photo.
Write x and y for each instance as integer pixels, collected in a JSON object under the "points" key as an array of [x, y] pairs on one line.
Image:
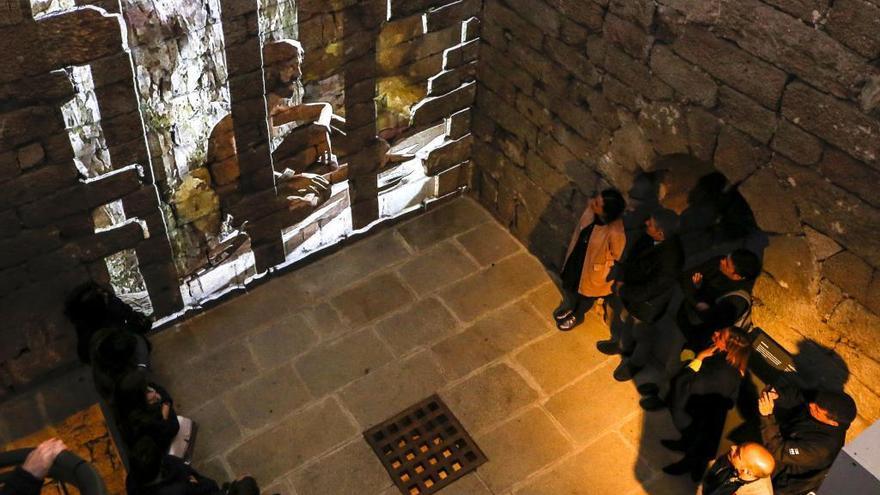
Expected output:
{"points": [[143, 409], [114, 354], [596, 244], [700, 396]]}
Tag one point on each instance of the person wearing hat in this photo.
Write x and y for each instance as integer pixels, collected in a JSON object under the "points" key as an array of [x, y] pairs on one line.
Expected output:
{"points": [[804, 432], [645, 284]]}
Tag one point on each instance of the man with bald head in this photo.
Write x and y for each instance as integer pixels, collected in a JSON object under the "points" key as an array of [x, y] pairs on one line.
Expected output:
{"points": [[744, 470]]}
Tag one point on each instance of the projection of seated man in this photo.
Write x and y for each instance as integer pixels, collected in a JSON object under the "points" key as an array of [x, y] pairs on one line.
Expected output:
{"points": [[304, 164]]}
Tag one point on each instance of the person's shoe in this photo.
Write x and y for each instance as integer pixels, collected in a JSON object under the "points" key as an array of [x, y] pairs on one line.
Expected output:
{"points": [[652, 403], [684, 466], [609, 347], [561, 314], [568, 323], [625, 371], [649, 389], [676, 445]]}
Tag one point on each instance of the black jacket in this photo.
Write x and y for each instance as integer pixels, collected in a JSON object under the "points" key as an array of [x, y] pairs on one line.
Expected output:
{"points": [[648, 275], [176, 478], [21, 482], [804, 448], [709, 392], [149, 422], [721, 478], [723, 311]]}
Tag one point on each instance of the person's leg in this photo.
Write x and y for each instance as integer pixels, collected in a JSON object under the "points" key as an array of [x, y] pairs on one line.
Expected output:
{"points": [[636, 349], [569, 299], [576, 317]]}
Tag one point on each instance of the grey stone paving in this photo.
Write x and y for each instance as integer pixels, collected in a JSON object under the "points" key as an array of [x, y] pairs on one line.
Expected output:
{"points": [[284, 380]]}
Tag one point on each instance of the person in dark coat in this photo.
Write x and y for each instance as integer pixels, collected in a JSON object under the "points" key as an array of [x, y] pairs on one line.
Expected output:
{"points": [[700, 396], [744, 470], [154, 473], [804, 432], [91, 308], [717, 294], [114, 354], [644, 284], [595, 246], [27, 479], [143, 409]]}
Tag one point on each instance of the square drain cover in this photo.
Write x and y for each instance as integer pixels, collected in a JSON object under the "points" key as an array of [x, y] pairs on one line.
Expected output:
{"points": [[424, 448]]}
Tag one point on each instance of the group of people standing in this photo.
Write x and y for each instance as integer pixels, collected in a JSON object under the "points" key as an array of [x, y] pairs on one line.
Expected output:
{"points": [[157, 443], [801, 432]]}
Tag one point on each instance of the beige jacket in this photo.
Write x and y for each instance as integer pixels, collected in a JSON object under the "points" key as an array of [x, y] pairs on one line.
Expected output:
{"points": [[604, 248]]}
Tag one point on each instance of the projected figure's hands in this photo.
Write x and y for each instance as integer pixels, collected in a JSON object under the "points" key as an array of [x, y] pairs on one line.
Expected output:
{"points": [[304, 189], [41, 458]]}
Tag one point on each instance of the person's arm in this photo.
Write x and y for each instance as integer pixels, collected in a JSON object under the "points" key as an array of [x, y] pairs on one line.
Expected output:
{"points": [[806, 453], [27, 479], [21, 482]]}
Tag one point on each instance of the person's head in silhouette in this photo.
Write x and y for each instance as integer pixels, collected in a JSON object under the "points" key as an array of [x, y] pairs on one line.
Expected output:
{"points": [[833, 408], [661, 225], [740, 265], [608, 205]]}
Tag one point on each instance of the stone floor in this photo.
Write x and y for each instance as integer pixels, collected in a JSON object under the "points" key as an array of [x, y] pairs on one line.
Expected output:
{"points": [[284, 380]]}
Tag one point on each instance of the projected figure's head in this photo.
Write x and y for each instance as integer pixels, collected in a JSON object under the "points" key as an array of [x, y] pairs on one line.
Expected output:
{"points": [[282, 66]]}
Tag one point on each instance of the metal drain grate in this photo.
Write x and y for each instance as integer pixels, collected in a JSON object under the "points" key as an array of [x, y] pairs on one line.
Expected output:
{"points": [[424, 448]]}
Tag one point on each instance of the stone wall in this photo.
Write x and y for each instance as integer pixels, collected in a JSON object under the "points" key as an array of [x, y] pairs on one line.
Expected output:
{"points": [[106, 112], [783, 97]]}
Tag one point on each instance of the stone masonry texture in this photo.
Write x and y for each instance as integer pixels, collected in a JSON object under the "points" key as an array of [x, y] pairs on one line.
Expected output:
{"points": [[780, 96]]}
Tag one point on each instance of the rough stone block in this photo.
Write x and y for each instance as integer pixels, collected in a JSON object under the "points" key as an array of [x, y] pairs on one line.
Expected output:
{"points": [[666, 128], [374, 298], [856, 24], [639, 11], [285, 338], [295, 440], [628, 36], [833, 211], [852, 175], [489, 338], [30, 155], [793, 142], [448, 155], [489, 397], [548, 24], [850, 273], [686, 79], [448, 80], [859, 327], [561, 359], [437, 268], [586, 421], [803, 51], [609, 454], [574, 60], [738, 156], [268, 398], [452, 14], [789, 260], [589, 14], [519, 448], [810, 11], [733, 66], [635, 75], [770, 200], [386, 392], [840, 123], [702, 133], [419, 324], [746, 115], [362, 473], [434, 109]]}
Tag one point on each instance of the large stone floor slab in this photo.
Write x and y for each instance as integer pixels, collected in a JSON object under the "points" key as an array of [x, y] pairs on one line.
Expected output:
{"points": [[283, 380]]}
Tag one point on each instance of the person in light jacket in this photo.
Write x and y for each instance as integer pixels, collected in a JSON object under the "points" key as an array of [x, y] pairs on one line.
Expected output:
{"points": [[596, 244]]}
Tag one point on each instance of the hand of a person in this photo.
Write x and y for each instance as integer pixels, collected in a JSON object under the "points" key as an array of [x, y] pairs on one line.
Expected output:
{"points": [[707, 353], [697, 279], [701, 306], [771, 391], [41, 458], [166, 410], [766, 404], [306, 188]]}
